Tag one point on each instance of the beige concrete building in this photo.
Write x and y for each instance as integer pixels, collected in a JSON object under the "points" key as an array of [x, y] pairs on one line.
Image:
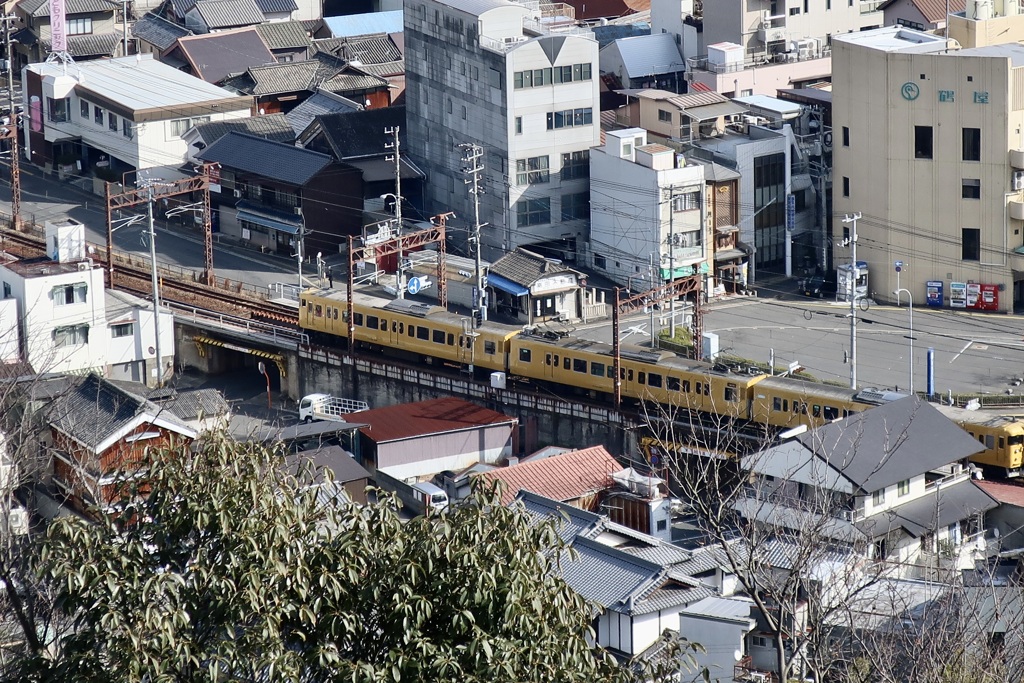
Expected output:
{"points": [[929, 147]]}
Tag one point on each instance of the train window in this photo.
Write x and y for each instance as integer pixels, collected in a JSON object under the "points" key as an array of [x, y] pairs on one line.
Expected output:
{"points": [[796, 407], [422, 332], [372, 321], [384, 325], [438, 336], [335, 313], [673, 383], [848, 413], [344, 316], [318, 311], [1001, 443], [831, 413], [489, 348], [989, 441], [547, 359], [359, 319], [686, 386], [816, 410], [565, 362], [556, 360], [451, 339], [730, 392], [394, 326], [579, 365], [1016, 440], [981, 438], [803, 408], [597, 369], [611, 372], [654, 380], [401, 328], [641, 377], [412, 330], [700, 388], [462, 342], [302, 302], [629, 375], [776, 403], [525, 355]]}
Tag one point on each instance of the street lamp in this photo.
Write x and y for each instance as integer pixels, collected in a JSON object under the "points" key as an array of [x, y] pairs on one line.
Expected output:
{"points": [[910, 339], [262, 367], [398, 233]]}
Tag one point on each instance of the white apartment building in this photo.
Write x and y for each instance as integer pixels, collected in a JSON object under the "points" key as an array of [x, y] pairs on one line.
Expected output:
{"points": [[648, 211], [756, 47], [66, 322], [117, 114], [505, 76], [929, 148]]}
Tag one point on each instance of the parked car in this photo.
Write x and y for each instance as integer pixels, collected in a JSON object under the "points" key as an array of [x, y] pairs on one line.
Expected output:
{"points": [[817, 286]]}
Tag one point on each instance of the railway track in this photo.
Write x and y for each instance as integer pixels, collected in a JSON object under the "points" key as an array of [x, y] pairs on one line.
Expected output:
{"points": [[136, 280]]}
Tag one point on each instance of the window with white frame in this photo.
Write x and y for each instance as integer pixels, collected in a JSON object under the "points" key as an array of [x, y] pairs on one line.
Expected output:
{"points": [[79, 26], [65, 295], [178, 127], [73, 335], [576, 165], [84, 108], [58, 109], [878, 497], [533, 211], [127, 129], [688, 201], [122, 330]]}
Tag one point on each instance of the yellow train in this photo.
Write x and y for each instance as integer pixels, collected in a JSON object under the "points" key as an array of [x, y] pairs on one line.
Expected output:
{"points": [[429, 334]]}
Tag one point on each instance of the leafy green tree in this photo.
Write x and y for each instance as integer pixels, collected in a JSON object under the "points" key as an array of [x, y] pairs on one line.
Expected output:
{"points": [[233, 569]]}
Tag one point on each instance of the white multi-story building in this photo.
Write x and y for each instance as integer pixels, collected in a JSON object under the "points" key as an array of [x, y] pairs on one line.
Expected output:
{"points": [[756, 47], [66, 322], [648, 213], [117, 114], [505, 76]]}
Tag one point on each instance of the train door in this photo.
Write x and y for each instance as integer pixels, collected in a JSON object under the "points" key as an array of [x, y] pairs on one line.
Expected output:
{"points": [[552, 358]]}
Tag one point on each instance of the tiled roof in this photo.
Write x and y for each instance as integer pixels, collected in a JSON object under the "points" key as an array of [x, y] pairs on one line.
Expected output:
{"points": [[277, 6], [228, 13], [269, 126], [319, 104], [437, 416], [607, 576], [41, 8], [279, 35], [216, 56], [287, 77], [562, 477], [93, 411], [571, 521], [266, 158], [92, 45], [361, 133], [525, 267], [181, 7], [1009, 494], [191, 405], [157, 31], [347, 82]]}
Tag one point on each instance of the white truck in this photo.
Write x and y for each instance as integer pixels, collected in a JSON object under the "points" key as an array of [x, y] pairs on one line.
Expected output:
{"points": [[327, 407], [419, 499]]}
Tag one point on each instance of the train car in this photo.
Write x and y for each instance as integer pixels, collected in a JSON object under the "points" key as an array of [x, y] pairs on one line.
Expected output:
{"points": [[579, 365], [789, 402], [1001, 435]]}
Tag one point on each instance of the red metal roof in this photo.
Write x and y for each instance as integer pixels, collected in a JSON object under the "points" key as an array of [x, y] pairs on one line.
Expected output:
{"points": [[1011, 494], [409, 420], [563, 477]]}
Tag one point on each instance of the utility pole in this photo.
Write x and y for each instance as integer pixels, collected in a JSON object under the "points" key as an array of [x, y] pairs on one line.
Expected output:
{"points": [[855, 274], [474, 153], [397, 158], [654, 288], [124, 25], [12, 133], [156, 287], [671, 257]]}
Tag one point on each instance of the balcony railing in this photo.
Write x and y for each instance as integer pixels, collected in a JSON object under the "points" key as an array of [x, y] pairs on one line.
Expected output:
{"points": [[760, 56]]}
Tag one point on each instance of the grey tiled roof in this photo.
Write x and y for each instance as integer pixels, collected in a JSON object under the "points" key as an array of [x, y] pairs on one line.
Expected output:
{"points": [[274, 160], [41, 8], [216, 56], [361, 133], [320, 103], [270, 126], [190, 405], [607, 576], [92, 410], [347, 82], [525, 267], [157, 31], [93, 45], [276, 6], [274, 79], [181, 7], [228, 13], [279, 35], [572, 521]]}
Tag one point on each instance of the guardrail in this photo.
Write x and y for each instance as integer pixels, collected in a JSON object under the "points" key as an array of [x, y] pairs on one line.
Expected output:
{"points": [[272, 333]]}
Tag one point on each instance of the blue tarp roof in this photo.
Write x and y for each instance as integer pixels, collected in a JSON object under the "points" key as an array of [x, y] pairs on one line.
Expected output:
{"points": [[366, 24], [506, 285]]}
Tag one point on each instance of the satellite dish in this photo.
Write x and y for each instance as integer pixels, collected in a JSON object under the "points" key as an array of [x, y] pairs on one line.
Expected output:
{"points": [[737, 655]]}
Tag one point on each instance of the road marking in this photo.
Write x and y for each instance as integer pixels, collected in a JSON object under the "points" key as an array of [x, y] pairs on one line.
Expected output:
{"points": [[966, 346]]}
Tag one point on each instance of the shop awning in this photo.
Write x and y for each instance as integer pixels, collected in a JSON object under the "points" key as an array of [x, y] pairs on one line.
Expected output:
{"points": [[506, 285], [729, 254], [268, 222]]}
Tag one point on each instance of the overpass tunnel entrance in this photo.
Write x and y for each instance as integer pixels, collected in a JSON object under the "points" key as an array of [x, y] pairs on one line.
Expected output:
{"points": [[243, 361]]}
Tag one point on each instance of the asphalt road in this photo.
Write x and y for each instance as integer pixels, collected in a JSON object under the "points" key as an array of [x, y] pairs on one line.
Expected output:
{"points": [[46, 198], [973, 352]]}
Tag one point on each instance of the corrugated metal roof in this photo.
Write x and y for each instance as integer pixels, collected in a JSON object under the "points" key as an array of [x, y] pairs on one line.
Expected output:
{"points": [[734, 609], [563, 477], [366, 24], [276, 6], [476, 7], [697, 99], [649, 55], [709, 112], [320, 103], [437, 416]]}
